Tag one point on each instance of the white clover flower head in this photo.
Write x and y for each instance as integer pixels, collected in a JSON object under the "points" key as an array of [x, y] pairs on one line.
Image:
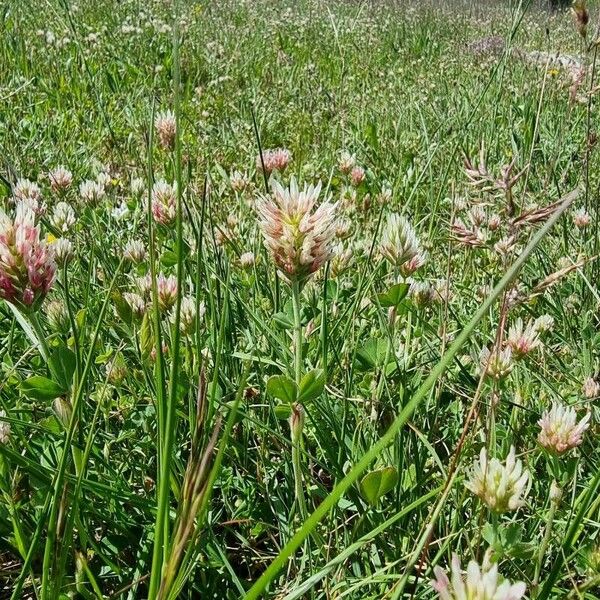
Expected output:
{"points": [[165, 124], [591, 388], [164, 202], [104, 179], [166, 292], [347, 162], [247, 260], [422, 293], [60, 179], [144, 285], [63, 217], [91, 192], [581, 218], [400, 246], [138, 185], [481, 582], [543, 323], [135, 251], [120, 212], [27, 264], [522, 340], [357, 175], [63, 251], [502, 487], [187, 319], [25, 189], [496, 365], [136, 303], [560, 431], [276, 159], [238, 181], [57, 315], [299, 236], [477, 215]]}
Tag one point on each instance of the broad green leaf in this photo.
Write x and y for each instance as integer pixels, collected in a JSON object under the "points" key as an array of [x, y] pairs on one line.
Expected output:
{"points": [[394, 295], [41, 388], [283, 321], [371, 354], [282, 388], [283, 411], [377, 483], [122, 307], [62, 364], [169, 258], [311, 385]]}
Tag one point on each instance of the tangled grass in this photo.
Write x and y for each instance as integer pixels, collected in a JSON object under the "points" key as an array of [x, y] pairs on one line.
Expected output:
{"points": [[298, 300]]}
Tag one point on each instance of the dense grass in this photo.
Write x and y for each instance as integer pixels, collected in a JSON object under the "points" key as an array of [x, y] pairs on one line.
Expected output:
{"points": [[153, 461]]}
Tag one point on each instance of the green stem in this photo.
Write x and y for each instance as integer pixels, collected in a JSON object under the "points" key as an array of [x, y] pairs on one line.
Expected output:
{"points": [[554, 502], [296, 436], [160, 551], [297, 332], [40, 334], [298, 484]]}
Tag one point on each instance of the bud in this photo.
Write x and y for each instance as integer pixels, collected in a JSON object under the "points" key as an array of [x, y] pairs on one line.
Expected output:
{"points": [[581, 16], [4, 429], [555, 492], [58, 316], [116, 370], [63, 411], [297, 421]]}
